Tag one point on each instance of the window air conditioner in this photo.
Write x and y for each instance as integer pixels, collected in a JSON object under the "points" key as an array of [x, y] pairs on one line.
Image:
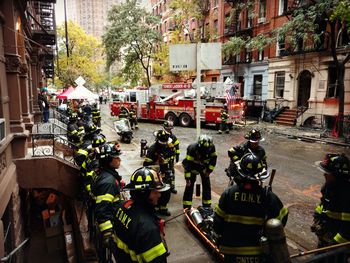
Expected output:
{"points": [[261, 20]]}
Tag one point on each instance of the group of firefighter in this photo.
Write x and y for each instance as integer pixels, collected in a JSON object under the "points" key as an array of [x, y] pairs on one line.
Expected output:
{"points": [[130, 229]]}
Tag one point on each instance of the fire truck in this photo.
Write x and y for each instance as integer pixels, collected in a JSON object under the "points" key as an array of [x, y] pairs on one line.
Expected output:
{"points": [[176, 102]]}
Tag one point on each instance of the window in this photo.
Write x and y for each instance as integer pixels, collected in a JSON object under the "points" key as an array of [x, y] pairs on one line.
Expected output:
{"points": [[248, 55], [238, 58], [260, 55], [215, 26], [279, 84], [249, 21], [281, 47], [215, 3], [214, 79], [282, 8], [262, 9], [332, 87], [257, 85]]}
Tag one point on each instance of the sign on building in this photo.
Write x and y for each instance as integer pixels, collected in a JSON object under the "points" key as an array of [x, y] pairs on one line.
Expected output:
{"points": [[182, 57]]}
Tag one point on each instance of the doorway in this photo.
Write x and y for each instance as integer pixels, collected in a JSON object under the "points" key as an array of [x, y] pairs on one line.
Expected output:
{"points": [[304, 88]]}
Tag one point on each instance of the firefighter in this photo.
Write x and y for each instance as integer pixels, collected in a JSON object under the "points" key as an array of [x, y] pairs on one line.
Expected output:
{"points": [[160, 153], [139, 233], [200, 159], [332, 215], [175, 145], [96, 115], [251, 145], [73, 135], [106, 189], [224, 119], [123, 112], [133, 117], [242, 211]]}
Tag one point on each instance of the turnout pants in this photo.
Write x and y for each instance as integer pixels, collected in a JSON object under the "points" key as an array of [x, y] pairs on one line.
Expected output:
{"points": [[206, 191]]}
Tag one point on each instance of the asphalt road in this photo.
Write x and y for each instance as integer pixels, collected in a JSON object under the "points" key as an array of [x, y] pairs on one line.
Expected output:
{"points": [[297, 181]]}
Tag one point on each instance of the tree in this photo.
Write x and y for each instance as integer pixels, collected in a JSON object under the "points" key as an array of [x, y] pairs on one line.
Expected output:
{"points": [[131, 36], [85, 56]]}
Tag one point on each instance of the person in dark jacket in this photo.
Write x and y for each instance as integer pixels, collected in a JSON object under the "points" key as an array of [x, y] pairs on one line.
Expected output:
{"points": [[106, 189], [139, 233], [175, 145], [200, 159], [44, 104], [242, 211], [251, 145], [332, 214], [160, 153]]}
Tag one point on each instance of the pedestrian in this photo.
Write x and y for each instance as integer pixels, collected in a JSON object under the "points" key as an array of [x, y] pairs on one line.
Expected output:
{"points": [[106, 189], [168, 126], [160, 153], [200, 159], [139, 233], [100, 98], [44, 104], [224, 119], [105, 100], [332, 214], [242, 210], [251, 145]]}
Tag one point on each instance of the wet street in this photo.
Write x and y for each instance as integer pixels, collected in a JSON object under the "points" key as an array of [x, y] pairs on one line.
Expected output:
{"points": [[297, 181]]}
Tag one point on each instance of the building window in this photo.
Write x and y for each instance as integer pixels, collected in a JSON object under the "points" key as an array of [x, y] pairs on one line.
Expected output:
{"points": [[332, 87], [282, 8], [281, 47], [238, 58], [248, 55], [260, 55], [279, 84], [214, 79], [262, 9], [257, 85], [215, 26]]}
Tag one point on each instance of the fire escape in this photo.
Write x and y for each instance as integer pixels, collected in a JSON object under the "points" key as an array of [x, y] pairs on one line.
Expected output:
{"points": [[43, 29]]}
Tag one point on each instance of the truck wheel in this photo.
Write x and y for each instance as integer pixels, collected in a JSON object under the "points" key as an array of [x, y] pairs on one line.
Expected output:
{"points": [[185, 120], [171, 117]]}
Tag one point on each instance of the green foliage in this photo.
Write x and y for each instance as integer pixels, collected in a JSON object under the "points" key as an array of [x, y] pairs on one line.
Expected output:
{"points": [[342, 12], [85, 57], [130, 37], [233, 47]]}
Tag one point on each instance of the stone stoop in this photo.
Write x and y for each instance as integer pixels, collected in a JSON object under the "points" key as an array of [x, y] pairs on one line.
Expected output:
{"points": [[287, 117]]}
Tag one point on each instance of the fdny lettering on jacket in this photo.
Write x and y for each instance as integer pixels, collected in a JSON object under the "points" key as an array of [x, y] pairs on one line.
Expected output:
{"points": [[123, 218], [247, 197]]}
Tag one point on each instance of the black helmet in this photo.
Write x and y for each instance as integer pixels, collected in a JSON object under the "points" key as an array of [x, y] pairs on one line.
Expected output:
{"points": [[162, 137], [144, 179], [168, 125], [90, 128], [73, 116], [205, 141], [253, 136], [109, 151], [337, 164], [251, 168], [98, 140]]}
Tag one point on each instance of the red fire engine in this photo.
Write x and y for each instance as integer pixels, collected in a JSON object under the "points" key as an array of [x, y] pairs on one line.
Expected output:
{"points": [[180, 107]]}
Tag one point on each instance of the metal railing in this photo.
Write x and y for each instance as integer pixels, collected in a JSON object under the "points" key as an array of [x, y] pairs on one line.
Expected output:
{"points": [[52, 145]]}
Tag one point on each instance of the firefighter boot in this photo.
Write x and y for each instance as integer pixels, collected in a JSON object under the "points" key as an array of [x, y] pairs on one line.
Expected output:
{"points": [[164, 212], [173, 190]]}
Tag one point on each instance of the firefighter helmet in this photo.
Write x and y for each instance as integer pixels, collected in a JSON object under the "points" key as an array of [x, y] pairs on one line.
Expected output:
{"points": [[98, 140], [144, 179], [73, 116], [254, 135], [90, 128], [205, 141], [168, 125], [336, 164], [162, 137], [251, 168], [109, 151]]}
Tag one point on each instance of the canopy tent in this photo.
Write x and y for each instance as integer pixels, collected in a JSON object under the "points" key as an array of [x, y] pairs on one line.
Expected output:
{"points": [[81, 92], [65, 93]]}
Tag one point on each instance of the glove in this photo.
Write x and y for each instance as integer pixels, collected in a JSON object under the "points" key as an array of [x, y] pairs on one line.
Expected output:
{"points": [[107, 237]]}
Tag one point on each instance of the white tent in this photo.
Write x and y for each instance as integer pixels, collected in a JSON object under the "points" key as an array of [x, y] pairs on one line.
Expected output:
{"points": [[81, 92]]}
